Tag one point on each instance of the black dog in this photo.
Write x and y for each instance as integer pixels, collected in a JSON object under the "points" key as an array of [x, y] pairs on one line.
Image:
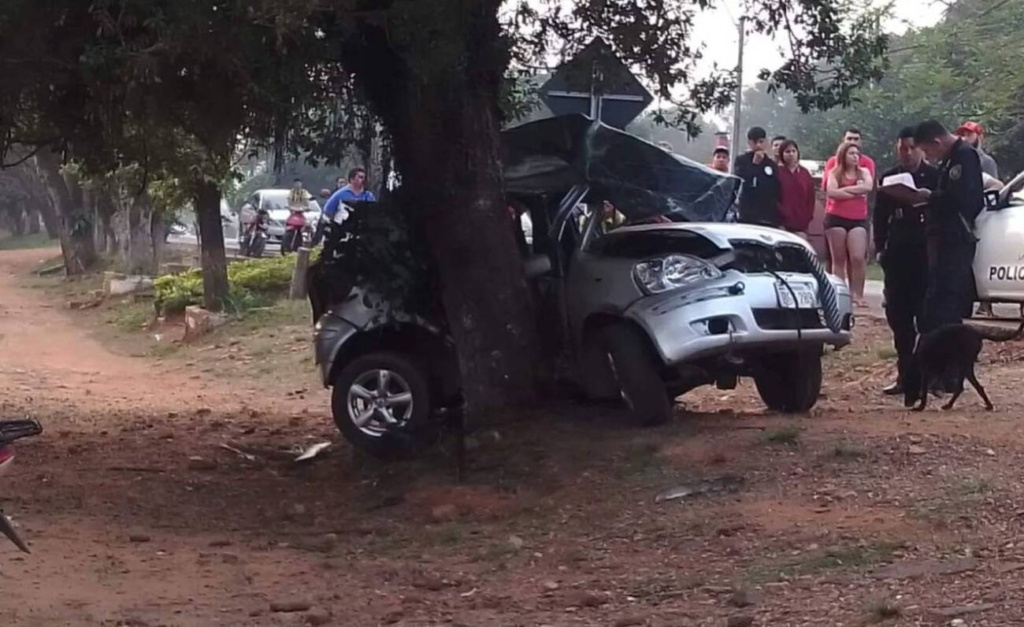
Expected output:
{"points": [[950, 351]]}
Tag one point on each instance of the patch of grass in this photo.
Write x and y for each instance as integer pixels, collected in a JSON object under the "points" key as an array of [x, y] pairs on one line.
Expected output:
{"points": [[642, 460], [50, 265], [958, 502], [846, 451], [164, 349], [25, 242], [663, 586], [881, 610], [886, 353], [970, 487], [875, 272], [856, 557], [448, 534], [789, 436], [131, 318]]}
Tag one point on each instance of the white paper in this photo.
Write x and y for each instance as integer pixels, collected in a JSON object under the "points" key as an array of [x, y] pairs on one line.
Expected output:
{"points": [[903, 178]]}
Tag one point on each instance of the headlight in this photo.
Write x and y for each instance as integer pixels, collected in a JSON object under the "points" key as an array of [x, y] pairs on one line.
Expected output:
{"points": [[655, 276]]}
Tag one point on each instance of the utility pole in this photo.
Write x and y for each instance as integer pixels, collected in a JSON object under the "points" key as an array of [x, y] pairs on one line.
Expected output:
{"points": [[595, 92], [737, 128]]}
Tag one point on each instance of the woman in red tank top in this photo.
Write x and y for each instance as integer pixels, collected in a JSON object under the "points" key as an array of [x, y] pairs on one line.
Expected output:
{"points": [[846, 218]]}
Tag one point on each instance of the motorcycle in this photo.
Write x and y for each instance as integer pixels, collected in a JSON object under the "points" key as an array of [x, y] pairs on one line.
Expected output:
{"points": [[255, 240], [10, 431], [294, 231]]}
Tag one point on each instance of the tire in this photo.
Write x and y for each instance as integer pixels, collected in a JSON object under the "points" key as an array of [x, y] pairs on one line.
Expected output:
{"points": [[375, 437], [257, 246], [790, 382], [635, 368], [597, 377], [290, 242]]}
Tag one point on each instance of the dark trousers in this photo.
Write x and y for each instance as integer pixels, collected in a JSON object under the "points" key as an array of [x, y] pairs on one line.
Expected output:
{"points": [[950, 292], [905, 263]]}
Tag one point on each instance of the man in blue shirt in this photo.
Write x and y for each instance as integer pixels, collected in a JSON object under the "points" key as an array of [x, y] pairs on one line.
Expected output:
{"points": [[355, 191]]}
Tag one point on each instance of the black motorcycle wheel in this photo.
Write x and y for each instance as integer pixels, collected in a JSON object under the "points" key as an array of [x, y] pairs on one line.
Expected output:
{"points": [[255, 249], [291, 242]]}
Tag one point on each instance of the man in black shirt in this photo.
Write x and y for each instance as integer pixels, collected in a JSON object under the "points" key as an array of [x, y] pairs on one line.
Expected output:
{"points": [[952, 209], [759, 198], [899, 228]]}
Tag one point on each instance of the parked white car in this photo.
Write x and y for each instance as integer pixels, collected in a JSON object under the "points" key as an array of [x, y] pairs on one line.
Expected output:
{"points": [[999, 262], [275, 201]]}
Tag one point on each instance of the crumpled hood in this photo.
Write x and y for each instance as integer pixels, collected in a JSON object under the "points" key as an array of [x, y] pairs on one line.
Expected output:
{"points": [[550, 156]]}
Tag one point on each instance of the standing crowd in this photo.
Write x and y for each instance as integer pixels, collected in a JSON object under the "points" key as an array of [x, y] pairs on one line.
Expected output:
{"points": [[923, 233]]}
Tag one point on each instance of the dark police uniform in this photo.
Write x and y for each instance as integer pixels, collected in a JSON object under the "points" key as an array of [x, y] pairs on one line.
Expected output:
{"points": [[952, 209], [900, 237], [759, 197]]}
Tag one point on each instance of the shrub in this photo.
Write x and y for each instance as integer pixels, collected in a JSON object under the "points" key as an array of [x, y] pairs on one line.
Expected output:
{"points": [[252, 283]]}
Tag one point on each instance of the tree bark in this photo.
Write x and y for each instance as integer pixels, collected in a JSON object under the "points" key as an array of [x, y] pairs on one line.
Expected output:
{"points": [[106, 220], [74, 227], [136, 236], [14, 220], [158, 233], [215, 265], [44, 205], [446, 146], [32, 225]]}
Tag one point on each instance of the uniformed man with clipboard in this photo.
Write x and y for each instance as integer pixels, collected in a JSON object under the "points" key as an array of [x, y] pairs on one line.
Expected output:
{"points": [[899, 230], [951, 210]]}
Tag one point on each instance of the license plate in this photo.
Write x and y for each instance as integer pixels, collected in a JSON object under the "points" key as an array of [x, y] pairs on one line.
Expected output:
{"points": [[806, 295]]}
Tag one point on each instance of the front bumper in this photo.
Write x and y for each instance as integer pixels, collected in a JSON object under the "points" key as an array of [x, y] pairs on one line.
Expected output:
{"points": [[735, 313]]}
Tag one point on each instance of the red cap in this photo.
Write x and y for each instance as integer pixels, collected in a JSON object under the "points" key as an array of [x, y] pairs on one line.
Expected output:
{"points": [[970, 127]]}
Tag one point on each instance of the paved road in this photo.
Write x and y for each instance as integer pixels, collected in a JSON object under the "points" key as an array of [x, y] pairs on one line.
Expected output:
{"points": [[230, 243], [873, 294]]}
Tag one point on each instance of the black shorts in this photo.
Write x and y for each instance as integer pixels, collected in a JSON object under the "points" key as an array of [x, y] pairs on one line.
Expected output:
{"points": [[838, 222]]}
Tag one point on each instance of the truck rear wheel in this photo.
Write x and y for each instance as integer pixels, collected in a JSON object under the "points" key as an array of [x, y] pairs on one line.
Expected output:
{"points": [[790, 382], [637, 374]]}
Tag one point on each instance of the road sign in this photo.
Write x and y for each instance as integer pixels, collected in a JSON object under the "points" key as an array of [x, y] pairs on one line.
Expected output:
{"points": [[598, 84]]}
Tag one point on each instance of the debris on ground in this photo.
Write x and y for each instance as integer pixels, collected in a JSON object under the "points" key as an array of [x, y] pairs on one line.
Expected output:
{"points": [[312, 451], [727, 483]]}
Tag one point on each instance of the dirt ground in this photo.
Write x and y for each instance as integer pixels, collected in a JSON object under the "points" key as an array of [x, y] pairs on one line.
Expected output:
{"points": [[856, 514]]}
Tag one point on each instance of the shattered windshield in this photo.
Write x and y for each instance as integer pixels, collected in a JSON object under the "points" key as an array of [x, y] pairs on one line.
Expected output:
{"points": [[640, 179]]}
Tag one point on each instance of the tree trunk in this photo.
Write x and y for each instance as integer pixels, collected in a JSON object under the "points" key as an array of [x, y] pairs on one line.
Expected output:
{"points": [[136, 236], [16, 220], [215, 265], [106, 219], [90, 204], [158, 233], [446, 146], [51, 221], [32, 225], [74, 226], [38, 200]]}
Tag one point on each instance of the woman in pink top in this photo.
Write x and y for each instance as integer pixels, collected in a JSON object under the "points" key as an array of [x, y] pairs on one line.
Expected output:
{"points": [[846, 218]]}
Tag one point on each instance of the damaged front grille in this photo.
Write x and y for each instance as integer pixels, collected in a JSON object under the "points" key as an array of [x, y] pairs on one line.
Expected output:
{"points": [[788, 319], [751, 257]]}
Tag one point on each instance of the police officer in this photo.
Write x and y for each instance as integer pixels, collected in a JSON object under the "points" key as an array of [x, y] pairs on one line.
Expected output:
{"points": [[952, 209], [899, 228]]}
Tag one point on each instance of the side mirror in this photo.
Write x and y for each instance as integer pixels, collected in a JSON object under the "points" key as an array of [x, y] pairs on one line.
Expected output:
{"points": [[536, 266]]}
